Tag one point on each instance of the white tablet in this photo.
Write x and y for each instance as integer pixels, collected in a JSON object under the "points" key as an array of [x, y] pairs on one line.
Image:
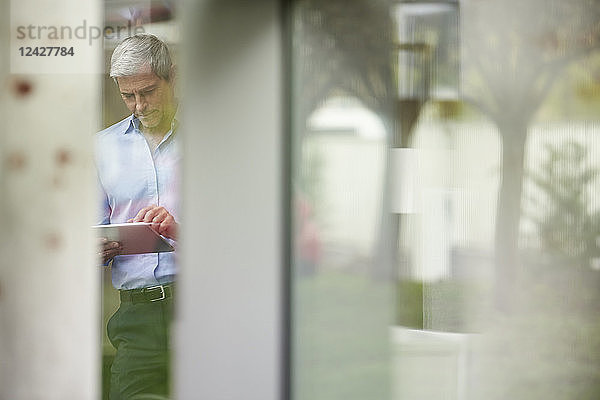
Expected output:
{"points": [[135, 237]]}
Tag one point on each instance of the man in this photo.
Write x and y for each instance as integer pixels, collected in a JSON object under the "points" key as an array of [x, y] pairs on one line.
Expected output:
{"points": [[138, 162]]}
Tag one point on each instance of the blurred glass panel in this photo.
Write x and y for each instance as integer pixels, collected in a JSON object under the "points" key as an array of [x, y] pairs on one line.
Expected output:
{"points": [[340, 311], [490, 129], [342, 83]]}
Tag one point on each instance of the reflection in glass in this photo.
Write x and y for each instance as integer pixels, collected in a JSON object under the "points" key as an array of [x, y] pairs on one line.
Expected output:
{"points": [[341, 296], [487, 125]]}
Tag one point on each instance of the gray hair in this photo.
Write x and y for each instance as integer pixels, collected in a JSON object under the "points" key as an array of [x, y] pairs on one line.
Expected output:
{"points": [[138, 51]]}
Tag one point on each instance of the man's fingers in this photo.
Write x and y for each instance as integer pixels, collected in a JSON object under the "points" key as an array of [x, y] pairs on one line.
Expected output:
{"points": [[166, 221], [142, 214], [108, 245], [162, 216], [157, 214], [163, 221], [151, 214], [168, 228], [109, 253], [109, 249]]}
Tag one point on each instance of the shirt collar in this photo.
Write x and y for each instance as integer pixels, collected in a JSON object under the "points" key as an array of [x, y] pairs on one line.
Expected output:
{"points": [[175, 121], [134, 123]]}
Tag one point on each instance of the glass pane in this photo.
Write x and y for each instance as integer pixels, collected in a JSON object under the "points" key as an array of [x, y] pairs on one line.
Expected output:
{"points": [[446, 223], [342, 302]]}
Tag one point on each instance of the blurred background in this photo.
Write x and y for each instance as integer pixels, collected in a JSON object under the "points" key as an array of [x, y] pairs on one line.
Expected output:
{"points": [[446, 152], [383, 200]]}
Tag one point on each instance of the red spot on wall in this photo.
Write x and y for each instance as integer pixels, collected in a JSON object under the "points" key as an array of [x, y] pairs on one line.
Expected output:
{"points": [[16, 160], [22, 87], [57, 182], [63, 157], [52, 241]]}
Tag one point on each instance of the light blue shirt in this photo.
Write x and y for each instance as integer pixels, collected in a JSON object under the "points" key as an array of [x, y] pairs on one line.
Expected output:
{"points": [[131, 177]]}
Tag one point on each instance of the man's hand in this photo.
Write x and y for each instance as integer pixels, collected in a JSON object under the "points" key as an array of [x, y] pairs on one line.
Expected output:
{"points": [[164, 222], [109, 249]]}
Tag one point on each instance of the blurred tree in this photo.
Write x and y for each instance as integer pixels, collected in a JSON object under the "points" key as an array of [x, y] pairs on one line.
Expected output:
{"points": [[575, 95], [565, 221], [513, 52], [343, 47]]}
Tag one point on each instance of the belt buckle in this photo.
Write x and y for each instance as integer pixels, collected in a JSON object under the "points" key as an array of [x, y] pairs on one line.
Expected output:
{"points": [[162, 292]]}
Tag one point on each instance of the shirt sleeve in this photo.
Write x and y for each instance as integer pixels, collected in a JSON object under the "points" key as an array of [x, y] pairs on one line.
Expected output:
{"points": [[103, 212]]}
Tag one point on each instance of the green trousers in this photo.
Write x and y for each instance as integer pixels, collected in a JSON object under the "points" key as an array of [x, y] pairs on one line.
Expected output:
{"points": [[140, 334]]}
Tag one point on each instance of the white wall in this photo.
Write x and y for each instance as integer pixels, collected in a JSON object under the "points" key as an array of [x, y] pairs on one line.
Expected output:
{"points": [[229, 324], [49, 286]]}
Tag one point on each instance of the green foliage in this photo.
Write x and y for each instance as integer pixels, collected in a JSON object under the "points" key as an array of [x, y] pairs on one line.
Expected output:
{"points": [[575, 95], [565, 224], [455, 306], [409, 304], [449, 109]]}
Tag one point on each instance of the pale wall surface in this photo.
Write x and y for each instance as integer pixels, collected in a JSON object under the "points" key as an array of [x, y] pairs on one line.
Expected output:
{"points": [[229, 319], [49, 280]]}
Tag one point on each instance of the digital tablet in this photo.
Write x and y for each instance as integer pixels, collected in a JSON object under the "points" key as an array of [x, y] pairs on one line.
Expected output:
{"points": [[135, 237]]}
